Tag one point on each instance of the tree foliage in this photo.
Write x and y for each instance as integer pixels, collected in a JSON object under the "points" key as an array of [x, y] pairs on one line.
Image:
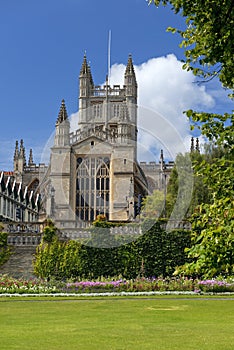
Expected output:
{"points": [[209, 51], [5, 251], [212, 250], [208, 37], [49, 231], [153, 205], [201, 191]]}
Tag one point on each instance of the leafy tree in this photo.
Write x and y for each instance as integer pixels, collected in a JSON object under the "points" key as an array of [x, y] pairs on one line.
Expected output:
{"points": [[200, 191], [213, 225], [208, 43], [208, 37], [49, 232], [180, 188], [153, 205]]}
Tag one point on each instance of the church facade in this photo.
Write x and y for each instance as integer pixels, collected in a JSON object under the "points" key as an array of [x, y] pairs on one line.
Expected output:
{"points": [[94, 170]]}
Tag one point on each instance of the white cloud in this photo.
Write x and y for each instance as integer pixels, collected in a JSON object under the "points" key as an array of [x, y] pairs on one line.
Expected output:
{"points": [[74, 121], [165, 92]]}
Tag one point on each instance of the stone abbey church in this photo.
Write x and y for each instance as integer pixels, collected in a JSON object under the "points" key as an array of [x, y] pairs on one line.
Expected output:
{"points": [[93, 170]]}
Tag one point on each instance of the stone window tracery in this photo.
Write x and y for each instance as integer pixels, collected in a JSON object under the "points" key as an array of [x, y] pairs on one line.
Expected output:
{"points": [[97, 110], [92, 187], [116, 109]]}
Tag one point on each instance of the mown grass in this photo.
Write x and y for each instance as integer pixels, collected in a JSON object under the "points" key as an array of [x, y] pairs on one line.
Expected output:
{"points": [[161, 323]]}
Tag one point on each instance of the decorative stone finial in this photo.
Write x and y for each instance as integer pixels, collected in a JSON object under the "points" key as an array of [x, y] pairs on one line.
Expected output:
{"points": [[22, 151], [197, 145], [62, 114], [192, 145], [16, 154], [30, 160], [129, 69], [84, 68]]}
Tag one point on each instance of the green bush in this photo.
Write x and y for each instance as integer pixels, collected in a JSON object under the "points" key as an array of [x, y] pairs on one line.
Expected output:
{"points": [[4, 249], [155, 253]]}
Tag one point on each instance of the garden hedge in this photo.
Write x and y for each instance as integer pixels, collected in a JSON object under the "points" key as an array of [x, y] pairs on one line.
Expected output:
{"points": [[155, 253]]}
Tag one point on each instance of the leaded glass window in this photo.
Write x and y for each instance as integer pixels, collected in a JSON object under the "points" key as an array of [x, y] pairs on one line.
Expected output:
{"points": [[92, 187]]}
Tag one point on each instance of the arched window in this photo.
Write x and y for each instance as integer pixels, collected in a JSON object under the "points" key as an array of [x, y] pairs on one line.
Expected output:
{"points": [[92, 188], [97, 110]]}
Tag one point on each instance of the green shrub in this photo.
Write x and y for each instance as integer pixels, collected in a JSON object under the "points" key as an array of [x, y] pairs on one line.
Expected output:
{"points": [[155, 253], [5, 251]]}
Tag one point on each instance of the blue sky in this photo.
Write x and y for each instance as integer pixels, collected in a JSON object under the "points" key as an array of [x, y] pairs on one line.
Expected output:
{"points": [[42, 48]]}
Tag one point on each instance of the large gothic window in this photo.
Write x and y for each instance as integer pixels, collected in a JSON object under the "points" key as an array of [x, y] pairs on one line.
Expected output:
{"points": [[92, 187]]}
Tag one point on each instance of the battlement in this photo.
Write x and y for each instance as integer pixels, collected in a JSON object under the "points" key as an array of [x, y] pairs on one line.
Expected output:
{"points": [[41, 167], [154, 166], [107, 90]]}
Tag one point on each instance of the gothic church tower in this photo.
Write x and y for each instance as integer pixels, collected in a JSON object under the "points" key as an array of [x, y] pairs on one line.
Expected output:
{"points": [[94, 170]]}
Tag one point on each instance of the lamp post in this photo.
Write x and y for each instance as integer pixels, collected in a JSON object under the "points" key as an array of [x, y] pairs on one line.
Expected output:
{"points": [[164, 181], [165, 192]]}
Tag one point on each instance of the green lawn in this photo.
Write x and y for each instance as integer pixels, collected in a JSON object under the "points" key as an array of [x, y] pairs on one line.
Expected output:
{"points": [[162, 323]]}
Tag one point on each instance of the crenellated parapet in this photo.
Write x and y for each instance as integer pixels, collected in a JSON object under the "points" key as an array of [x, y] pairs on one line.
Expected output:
{"points": [[154, 166]]}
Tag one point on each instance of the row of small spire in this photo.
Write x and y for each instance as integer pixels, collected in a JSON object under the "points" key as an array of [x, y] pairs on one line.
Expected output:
{"points": [[194, 145], [20, 153], [86, 70]]}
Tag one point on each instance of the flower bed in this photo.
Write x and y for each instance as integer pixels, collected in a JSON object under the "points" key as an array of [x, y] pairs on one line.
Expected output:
{"points": [[216, 286], [10, 285], [137, 285]]}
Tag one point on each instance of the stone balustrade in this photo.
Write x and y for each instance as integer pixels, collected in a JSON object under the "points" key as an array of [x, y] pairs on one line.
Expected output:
{"points": [[23, 239], [23, 227], [21, 234]]}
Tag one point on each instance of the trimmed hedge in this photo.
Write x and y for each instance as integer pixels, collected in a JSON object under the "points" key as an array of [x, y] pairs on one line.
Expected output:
{"points": [[155, 253], [4, 249]]}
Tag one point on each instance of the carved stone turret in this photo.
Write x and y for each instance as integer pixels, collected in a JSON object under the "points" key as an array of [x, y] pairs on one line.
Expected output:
{"points": [[16, 156], [21, 157], [62, 116], [130, 80], [86, 79], [62, 127], [30, 160]]}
